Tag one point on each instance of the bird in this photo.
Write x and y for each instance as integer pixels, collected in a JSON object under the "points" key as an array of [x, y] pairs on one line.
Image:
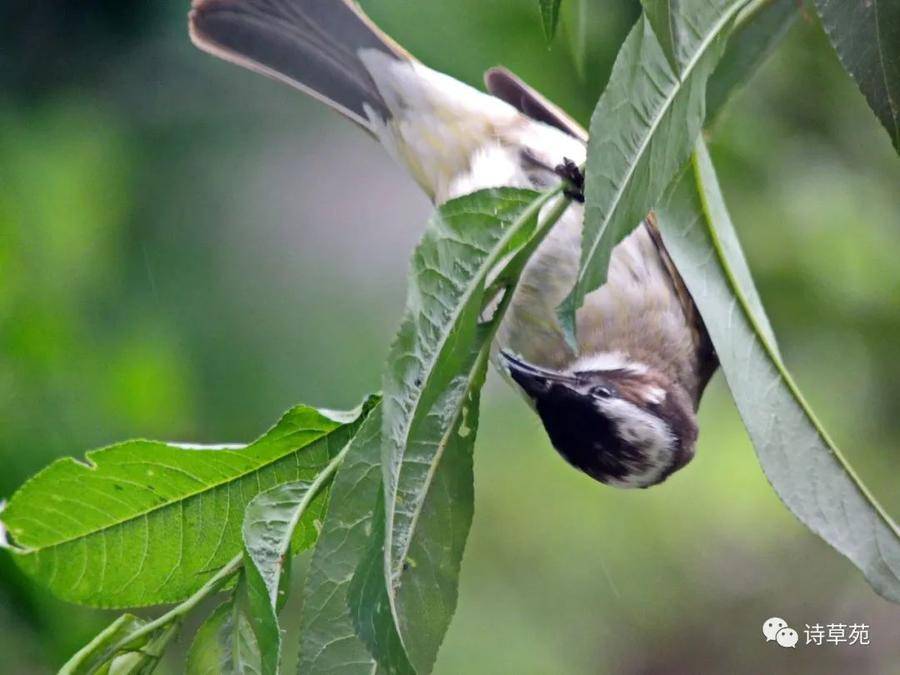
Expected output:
{"points": [[621, 404]]}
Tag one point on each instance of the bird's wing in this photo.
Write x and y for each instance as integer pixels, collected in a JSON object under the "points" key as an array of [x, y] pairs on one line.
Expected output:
{"points": [[508, 87], [707, 361]]}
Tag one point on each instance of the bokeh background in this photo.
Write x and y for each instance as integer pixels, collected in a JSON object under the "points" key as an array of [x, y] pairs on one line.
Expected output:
{"points": [[187, 249]]}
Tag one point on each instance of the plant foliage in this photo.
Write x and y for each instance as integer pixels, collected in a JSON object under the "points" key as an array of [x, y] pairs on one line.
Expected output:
{"points": [[385, 492]]}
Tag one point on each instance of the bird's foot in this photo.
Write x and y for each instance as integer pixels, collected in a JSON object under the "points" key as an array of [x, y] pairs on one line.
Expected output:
{"points": [[574, 178]]}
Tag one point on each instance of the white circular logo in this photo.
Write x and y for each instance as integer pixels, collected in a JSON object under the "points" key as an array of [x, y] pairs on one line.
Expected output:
{"points": [[772, 626], [787, 637]]}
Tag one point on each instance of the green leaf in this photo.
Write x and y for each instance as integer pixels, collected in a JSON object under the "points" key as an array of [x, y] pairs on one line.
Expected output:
{"points": [[371, 608], [679, 26], [666, 20], [253, 606], [93, 655], [142, 661], [430, 408], [550, 17], [866, 36], [145, 522], [99, 656], [754, 38], [804, 466], [641, 133], [271, 523], [328, 641], [226, 643]]}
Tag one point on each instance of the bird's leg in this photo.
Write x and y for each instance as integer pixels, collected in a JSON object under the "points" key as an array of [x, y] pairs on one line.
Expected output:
{"points": [[574, 178]]}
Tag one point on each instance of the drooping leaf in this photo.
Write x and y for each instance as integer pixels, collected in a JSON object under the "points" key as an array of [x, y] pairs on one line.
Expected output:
{"points": [[802, 463], [430, 407], [270, 525], [641, 133], [371, 608], [253, 606], [866, 36], [145, 522], [750, 44], [328, 641], [226, 643], [550, 17]]}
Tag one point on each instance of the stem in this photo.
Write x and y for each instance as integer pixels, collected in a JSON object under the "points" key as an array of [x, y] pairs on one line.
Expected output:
{"points": [[179, 611], [231, 568]]}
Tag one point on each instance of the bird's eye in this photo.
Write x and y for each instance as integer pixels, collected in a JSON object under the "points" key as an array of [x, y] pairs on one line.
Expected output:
{"points": [[601, 392]]}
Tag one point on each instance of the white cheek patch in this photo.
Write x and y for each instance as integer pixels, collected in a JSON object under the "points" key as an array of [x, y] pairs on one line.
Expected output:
{"points": [[642, 430], [608, 361], [492, 166]]}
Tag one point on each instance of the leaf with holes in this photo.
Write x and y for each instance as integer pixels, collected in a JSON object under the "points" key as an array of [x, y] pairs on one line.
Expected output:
{"points": [[144, 522], [866, 36], [641, 133], [804, 466]]}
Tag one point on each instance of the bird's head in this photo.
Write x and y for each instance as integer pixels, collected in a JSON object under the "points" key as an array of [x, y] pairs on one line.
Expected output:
{"points": [[622, 423]]}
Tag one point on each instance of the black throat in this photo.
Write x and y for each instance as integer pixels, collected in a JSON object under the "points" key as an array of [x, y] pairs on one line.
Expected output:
{"points": [[585, 438]]}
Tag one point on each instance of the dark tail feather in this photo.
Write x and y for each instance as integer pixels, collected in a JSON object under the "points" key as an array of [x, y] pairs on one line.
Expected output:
{"points": [[310, 44]]}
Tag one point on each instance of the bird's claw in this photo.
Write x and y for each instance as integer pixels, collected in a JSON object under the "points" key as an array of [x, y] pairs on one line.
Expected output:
{"points": [[574, 178]]}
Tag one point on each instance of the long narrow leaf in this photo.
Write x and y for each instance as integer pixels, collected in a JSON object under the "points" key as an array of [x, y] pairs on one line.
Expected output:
{"points": [[641, 133], [145, 523], [271, 524], [430, 407], [328, 640], [804, 466], [226, 643]]}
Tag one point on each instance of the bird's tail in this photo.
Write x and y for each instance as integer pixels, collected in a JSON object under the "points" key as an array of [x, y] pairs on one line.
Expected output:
{"points": [[313, 45]]}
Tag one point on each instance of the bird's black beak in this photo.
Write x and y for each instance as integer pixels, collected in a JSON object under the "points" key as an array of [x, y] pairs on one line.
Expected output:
{"points": [[533, 379]]}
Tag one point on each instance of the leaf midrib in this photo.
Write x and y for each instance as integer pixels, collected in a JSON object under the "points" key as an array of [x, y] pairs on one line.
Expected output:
{"points": [[773, 358], [533, 208], [159, 507], [680, 81]]}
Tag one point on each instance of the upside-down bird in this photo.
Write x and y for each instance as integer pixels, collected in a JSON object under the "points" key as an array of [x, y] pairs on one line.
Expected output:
{"points": [[621, 407]]}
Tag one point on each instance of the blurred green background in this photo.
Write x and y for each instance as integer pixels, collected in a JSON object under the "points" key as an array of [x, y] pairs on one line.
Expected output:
{"points": [[187, 249]]}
